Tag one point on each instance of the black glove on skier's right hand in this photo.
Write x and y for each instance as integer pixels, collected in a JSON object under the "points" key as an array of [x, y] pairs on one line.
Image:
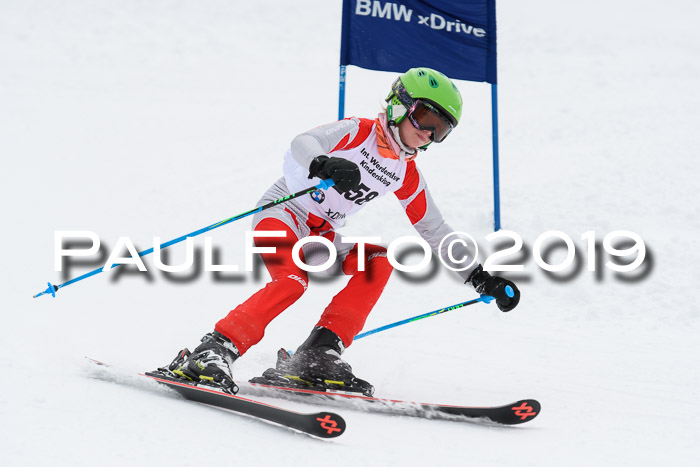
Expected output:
{"points": [[345, 173], [504, 291]]}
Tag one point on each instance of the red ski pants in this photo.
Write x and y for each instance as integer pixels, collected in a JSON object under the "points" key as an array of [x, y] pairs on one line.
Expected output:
{"points": [[345, 315]]}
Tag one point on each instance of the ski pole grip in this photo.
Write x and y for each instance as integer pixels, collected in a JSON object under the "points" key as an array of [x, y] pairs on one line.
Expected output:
{"points": [[486, 298], [325, 184]]}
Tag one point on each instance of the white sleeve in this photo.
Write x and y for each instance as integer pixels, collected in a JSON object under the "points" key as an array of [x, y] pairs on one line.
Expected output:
{"points": [[323, 140], [428, 222]]}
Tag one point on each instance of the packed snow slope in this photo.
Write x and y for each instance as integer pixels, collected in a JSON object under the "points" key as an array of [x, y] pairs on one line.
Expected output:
{"points": [[156, 118]]}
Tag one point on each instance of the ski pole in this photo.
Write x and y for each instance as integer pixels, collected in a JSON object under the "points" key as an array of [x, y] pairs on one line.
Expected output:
{"points": [[324, 185], [483, 298]]}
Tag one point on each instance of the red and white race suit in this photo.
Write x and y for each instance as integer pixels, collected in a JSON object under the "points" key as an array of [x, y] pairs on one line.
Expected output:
{"points": [[385, 167]]}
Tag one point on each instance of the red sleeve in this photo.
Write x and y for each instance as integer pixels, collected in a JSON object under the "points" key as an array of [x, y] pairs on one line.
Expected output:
{"points": [[364, 130], [410, 182], [415, 210]]}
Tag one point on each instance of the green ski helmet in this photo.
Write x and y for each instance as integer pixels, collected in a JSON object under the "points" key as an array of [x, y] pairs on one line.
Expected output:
{"points": [[421, 93]]}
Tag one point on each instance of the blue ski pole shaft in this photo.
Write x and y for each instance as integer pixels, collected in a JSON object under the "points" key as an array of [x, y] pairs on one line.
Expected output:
{"points": [[324, 185], [483, 298]]}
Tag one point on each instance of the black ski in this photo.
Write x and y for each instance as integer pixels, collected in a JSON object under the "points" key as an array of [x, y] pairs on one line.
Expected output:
{"points": [[321, 424], [510, 414]]}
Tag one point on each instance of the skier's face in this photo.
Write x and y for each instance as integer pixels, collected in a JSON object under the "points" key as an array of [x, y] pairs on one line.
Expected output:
{"points": [[412, 136]]}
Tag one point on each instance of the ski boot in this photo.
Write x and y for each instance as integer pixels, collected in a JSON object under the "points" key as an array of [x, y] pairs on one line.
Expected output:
{"points": [[210, 363], [316, 365]]}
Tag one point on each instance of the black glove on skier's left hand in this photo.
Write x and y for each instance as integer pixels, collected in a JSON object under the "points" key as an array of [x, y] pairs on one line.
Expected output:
{"points": [[504, 291]]}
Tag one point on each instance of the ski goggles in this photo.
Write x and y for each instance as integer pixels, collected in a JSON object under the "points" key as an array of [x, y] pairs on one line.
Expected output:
{"points": [[422, 114], [425, 116]]}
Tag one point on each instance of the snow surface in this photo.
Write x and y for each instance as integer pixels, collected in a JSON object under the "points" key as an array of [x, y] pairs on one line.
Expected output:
{"points": [[152, 118]]}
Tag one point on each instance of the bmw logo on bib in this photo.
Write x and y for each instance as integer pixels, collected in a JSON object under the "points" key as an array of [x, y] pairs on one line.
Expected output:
{"points": [[318, 196]]}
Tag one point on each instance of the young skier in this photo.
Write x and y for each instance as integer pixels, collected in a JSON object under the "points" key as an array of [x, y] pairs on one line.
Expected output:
{"points": [[366, 158]]}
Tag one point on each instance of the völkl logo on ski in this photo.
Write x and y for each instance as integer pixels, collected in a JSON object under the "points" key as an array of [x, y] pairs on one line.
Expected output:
{"points": [[523, 411], [328, 424]]}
